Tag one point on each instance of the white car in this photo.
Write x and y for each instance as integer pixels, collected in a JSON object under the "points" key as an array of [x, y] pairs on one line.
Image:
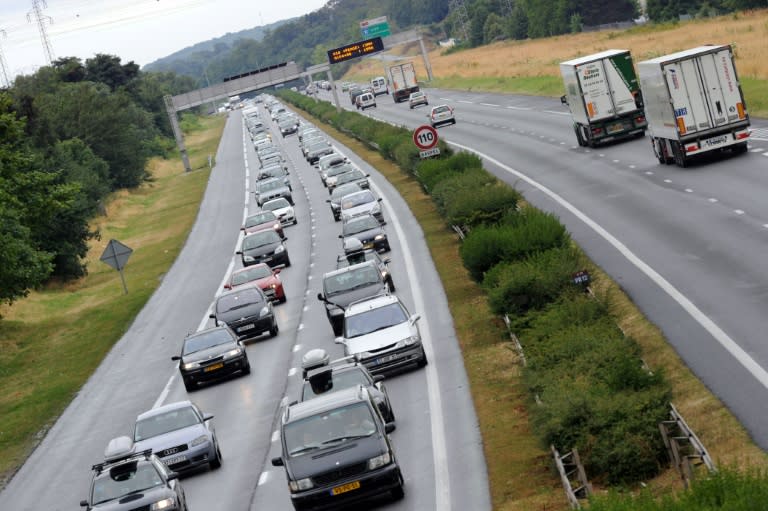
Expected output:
{"points": [[282, 210], [380, 333], [417, 98], [441, 114]]}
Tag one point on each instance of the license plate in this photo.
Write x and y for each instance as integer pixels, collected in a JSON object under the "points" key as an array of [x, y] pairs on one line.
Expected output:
{"points": [[266, 259], [715, 141], [368, 245], [615, 128], [214, 367], [384, 360], [174, 460], [345, 488], [246, 327]]}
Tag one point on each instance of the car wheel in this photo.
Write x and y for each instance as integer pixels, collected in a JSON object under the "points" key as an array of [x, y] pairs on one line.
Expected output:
{"points": [[247, 368], [411, 107], [391, 285], [216, 462], [274, 329], [390, 416], [287, 262], [295, 221], [189, 386]]}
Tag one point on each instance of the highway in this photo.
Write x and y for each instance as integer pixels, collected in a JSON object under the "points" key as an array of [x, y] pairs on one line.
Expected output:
{"points": [[687, 245], [437, 440]]}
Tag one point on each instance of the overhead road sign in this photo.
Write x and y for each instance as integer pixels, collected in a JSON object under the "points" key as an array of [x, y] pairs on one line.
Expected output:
{"points": [[375, 27], [354, 50]]}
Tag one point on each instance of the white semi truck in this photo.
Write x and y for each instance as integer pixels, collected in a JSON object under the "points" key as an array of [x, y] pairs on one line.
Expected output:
{"points": [[603, 95], [694, 103], [403, 80]]}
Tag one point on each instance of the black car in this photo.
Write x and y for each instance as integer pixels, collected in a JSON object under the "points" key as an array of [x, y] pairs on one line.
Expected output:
{"points": [[355, 254], [129, 480], [247, 311], [368, 230], [322, 375], [264, 247], [346, 285], [336, 196], [210, 355], [336, 451]]}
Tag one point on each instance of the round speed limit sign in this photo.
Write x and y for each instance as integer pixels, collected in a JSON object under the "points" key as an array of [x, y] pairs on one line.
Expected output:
{"points": [[425, 137]]}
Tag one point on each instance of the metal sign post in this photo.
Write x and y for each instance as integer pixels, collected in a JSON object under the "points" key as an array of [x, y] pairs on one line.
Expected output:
{"points": [[116, 255]]}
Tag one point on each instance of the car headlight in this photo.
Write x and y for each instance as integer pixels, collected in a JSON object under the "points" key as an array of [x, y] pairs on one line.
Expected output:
{"points": [[380, 237], [276, 226], [379, 461], [168, 503], [191, 365], [233, 353], [300, 485], [280, 249], [410, 341], [248, 258], [264, 311], [199, 440]]}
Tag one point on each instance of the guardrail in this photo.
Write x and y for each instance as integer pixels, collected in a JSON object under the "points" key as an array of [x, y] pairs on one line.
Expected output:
{"points": [[686, 451], [573, 476]]}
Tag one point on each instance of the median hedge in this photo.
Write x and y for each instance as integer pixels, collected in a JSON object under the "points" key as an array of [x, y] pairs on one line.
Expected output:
{"points": [[592, 390]]}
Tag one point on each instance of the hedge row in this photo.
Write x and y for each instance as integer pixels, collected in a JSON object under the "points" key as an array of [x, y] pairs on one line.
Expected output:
{"points": [[593, 391]]}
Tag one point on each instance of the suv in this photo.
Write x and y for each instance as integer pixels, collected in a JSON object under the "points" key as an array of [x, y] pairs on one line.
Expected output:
{"points": [[322, 375], [336, 451], [346, 285], [127, 480], [381, 334]]}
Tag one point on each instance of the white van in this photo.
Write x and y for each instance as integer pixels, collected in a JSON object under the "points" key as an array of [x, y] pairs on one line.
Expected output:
{"points": [[379, 85], [365, 100]]}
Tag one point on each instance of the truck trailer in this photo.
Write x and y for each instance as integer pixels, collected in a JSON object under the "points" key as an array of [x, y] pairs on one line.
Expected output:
{"points": [[603, 95], [694, 104], [403, 80]]}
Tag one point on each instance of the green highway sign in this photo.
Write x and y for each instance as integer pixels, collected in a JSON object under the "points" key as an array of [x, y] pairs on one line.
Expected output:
{"points": [[375, 27]]}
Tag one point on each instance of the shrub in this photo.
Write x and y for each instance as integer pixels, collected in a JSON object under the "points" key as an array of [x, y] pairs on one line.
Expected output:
{"points": [[524, 233], [469, 181], [489, 205], [517, 286]]}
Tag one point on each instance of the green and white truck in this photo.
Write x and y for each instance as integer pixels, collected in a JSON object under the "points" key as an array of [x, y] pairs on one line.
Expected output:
{"points": [[603, 94]]}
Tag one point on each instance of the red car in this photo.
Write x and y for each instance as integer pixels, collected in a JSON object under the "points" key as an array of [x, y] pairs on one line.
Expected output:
{"points": [[263, 276], [261, 221]]}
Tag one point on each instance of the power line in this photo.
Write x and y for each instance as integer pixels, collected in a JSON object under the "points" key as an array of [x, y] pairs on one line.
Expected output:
{"points": [[3, 65], [460, 10], [41, 19]]}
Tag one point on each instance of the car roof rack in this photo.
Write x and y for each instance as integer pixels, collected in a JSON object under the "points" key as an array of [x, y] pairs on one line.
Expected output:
{"points": [[118, 450]]}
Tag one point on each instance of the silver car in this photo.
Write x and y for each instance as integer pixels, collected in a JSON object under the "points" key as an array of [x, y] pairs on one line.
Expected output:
{"points": [[180, 434], [441, 114], [361, 203]]}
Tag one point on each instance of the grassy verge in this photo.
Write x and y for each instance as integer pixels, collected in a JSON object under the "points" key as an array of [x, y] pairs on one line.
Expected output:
{"points": [[51, 341], [520, 471]]}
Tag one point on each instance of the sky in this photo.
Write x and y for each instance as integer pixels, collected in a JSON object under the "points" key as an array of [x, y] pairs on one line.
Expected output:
{"points": [[135, 30]]}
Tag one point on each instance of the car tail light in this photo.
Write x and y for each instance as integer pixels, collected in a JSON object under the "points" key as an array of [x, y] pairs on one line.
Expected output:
{"points": [[691, 148], [597, 131]]}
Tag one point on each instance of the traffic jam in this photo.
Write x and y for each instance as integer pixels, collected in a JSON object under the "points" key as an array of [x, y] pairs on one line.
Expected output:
{"points": [[334, 435]]}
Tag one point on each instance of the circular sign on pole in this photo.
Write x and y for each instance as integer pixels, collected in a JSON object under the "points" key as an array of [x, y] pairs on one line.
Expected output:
{"points": [[425, 137]]}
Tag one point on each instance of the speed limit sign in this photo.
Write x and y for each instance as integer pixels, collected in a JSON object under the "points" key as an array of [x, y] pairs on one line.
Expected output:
{"points": [[425, 137]]}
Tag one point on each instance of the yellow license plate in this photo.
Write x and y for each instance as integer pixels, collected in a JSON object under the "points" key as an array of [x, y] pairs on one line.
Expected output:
{"points": [[345, 488], [214, 367]]}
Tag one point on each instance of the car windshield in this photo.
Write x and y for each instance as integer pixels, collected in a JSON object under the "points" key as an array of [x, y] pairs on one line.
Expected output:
{"points": [[260, 218], [206, 340], [357, 199], [328, 429], [276, 204], [265, 186], [358, 225], [417, 95], [353, 175], [341, 191], [316, 146], [441, 109], [260, 239], [328, 381], [341, 169], [124, 479], [239, 300], [352, 279], [259, 271], [162, 423], [374, 319]]}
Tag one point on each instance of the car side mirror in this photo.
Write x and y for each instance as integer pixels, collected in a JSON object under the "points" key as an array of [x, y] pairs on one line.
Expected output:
{"points": [[239, 252], [212, 316], [341, 236], [377, 378], [84, 503], [277, 462], [389, 427], [339, 340], [277, 270], [176, 357], [320, 297], [207, 417], [379, 199], [386, 260], [414, 318], [242, 228], [564, 100]]}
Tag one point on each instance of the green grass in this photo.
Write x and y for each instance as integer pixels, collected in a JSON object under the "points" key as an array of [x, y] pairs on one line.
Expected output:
{"points": [[52, 341], [532, 85]]}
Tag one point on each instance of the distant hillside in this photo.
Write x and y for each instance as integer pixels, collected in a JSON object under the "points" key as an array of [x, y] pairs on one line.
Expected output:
{"points": [[213, 46]]}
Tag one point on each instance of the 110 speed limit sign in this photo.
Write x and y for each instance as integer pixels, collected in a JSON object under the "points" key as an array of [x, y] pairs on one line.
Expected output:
{"points": [[425, 138]]}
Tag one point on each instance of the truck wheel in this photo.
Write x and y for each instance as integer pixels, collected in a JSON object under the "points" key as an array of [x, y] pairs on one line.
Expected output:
{"points": [[579, 137], [679, 154], [740, 148]]}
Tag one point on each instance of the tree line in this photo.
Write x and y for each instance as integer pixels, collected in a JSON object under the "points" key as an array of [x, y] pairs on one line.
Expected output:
{"points": [[70, 134]]}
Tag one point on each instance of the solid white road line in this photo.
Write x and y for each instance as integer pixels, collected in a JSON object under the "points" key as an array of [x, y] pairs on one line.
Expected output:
{"points": [[755, 369]]}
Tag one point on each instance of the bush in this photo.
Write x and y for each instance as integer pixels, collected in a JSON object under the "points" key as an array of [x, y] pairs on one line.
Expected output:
{"points": [[518, 286], [431, 172], [522, 234]]}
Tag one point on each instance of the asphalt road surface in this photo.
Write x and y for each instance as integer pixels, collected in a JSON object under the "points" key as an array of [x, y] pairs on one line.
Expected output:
{"points": [[688, 245], [437, 440]]}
